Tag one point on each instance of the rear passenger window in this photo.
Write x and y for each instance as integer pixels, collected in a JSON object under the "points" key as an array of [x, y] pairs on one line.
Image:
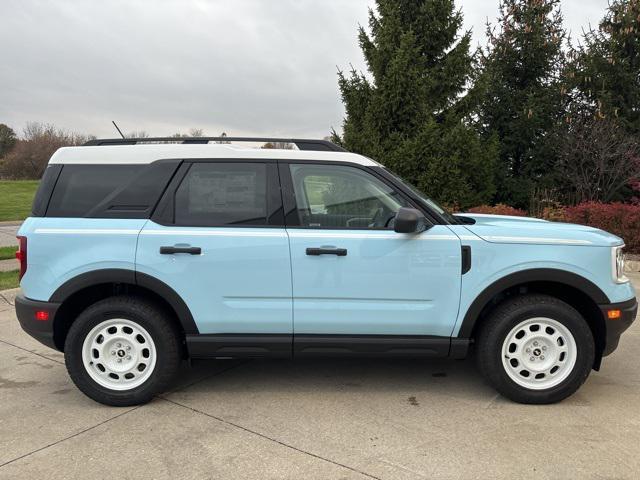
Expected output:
{"points": [[81, 187], [215, 194]]}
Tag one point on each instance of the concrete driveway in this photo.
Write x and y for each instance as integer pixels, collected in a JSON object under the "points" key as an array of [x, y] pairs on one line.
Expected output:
{"points": [[8, 232], [324, 419]]}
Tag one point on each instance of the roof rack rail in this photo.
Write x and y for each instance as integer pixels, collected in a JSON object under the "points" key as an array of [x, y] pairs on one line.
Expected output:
{"points": [[302, 144]]}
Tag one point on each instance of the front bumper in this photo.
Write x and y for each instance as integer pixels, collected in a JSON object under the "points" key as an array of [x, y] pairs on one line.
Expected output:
{"points": [[615, 327], [41, 330]]}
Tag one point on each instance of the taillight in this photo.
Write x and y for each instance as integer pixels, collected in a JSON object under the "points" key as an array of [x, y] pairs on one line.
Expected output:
{"points": [[21, 255]]}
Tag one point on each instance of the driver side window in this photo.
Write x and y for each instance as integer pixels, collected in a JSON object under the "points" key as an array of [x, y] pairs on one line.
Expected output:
{"points": [[338, 196]]}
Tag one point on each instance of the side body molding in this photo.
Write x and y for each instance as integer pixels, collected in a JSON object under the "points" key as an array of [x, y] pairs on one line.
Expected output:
{"points": [[131, 277], [527, 276]]}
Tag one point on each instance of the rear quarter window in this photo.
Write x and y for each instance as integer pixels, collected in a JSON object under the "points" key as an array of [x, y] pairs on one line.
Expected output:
{"points": [[43, 194], [81, 187]]}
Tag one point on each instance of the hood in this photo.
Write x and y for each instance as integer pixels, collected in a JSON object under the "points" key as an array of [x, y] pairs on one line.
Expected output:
{"points": [[508, 229]]}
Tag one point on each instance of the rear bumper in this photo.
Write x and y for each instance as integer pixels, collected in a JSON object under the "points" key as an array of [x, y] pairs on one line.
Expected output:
{"points": [[41, 330], [615, 327]]}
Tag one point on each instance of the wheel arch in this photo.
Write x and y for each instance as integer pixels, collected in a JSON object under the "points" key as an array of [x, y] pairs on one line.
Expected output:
{"points": [[577, 291], [78, 293]]}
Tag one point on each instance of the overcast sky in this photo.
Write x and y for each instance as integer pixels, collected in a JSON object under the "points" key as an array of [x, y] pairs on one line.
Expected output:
{"points": [[244, 67]]}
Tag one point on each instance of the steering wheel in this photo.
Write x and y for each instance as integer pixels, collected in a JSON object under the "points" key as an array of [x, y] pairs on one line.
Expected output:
{"points": [[379, 220], [390, 221], [376, 220]]}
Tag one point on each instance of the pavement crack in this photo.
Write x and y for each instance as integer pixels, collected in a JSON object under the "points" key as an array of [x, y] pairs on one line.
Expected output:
{"points": [[31, 351], [402, 467], [69, 437], [6, 300], [491, 402], [271, 439]]}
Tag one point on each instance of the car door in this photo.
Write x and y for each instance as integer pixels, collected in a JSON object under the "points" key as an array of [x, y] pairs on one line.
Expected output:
{"points": [[358, 286], [217, 239]]}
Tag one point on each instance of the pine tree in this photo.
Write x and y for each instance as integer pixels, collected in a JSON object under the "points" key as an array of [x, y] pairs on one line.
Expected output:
{"points": [[606, 71], [407, 113], [8, 139], [524, 96]]}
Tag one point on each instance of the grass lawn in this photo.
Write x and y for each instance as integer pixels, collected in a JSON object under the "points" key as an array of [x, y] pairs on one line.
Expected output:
{"points": [[9, 280], [7, 252], [15, 198]]}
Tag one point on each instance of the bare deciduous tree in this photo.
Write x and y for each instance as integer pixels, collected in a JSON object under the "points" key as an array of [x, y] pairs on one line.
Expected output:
{"points": [[137, 134], [278, 145], [31, 153], [598, 159], [222, 135], [193, 132]]}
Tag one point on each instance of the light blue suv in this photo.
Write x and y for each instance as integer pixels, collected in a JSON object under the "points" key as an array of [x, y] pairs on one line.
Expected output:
{"points": [[141, 253]]}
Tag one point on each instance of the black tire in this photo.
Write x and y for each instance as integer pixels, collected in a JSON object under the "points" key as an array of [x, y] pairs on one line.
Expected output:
{"points": [[149, 316], [507, 316]]}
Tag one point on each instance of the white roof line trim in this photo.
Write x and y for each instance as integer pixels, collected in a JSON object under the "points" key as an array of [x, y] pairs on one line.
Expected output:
{"points": [[145, 154]]}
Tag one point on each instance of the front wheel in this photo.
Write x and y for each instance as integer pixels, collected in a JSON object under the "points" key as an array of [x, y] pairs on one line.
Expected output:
{"points": [[122, 351], [535, 349]]}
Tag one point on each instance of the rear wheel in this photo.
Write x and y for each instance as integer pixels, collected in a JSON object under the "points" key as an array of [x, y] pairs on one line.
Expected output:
{"points": [[535, 349], [122, 351]]}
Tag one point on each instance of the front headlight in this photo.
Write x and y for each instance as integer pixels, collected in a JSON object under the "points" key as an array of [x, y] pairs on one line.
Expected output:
{"points": [[617, 264]]}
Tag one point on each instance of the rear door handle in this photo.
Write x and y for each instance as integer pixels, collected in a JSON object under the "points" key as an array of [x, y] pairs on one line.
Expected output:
{"points": [[340, 252], [172, 250]]}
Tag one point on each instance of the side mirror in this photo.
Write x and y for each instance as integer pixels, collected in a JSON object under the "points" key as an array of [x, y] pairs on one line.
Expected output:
{"points": [[409, 220]]}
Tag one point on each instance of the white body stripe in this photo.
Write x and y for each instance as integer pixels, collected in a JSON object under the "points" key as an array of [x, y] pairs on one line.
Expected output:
{"points": [[226, 232], [268, 232], [217, 233], [538, 240], [86, 231], [370, 235], [469, 238]]}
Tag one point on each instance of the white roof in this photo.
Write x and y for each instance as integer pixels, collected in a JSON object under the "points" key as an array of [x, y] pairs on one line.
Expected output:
{"points": [[138, 154]]}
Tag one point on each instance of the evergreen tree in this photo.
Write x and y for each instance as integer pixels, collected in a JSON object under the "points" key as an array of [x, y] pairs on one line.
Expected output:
{"points": [[523, 95], [606, 70], [407, 113], [8, 139]]}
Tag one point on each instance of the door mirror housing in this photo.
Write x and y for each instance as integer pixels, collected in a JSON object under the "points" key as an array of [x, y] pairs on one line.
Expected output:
{"points": [[409, 220]]}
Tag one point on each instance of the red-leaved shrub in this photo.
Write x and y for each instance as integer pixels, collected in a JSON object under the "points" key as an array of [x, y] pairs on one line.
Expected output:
{"points": [[553, 214], [621, 219], [499, 209]]}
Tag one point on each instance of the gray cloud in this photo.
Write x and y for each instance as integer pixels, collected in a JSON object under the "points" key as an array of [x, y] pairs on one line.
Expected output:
{"points": [[578, 14], [245, 67]]}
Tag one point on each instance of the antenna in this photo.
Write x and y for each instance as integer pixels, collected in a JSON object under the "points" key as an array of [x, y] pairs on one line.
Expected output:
{"points": [[114, 124]]}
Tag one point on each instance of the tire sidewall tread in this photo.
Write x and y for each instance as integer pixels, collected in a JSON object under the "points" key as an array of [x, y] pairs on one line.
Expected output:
{"points": [[150, 316], [509, 314]]}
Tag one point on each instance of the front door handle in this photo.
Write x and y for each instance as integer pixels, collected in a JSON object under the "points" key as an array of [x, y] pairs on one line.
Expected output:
{"points": [[340, 252], [172, 250]]}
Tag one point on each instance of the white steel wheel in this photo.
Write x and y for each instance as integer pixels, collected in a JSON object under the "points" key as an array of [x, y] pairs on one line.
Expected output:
{"points": [[119, 354], [539, 353]]}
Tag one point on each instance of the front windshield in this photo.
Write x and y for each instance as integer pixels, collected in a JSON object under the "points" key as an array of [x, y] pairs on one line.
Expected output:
{"points": [[424, 199]]}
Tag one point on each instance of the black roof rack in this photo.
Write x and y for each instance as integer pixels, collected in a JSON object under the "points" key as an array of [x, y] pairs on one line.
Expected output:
{"points": [[302, 144]]}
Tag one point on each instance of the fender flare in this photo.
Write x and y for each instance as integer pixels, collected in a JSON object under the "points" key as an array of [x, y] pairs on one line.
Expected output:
{"points": [[118, 275], [526, 276]]}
